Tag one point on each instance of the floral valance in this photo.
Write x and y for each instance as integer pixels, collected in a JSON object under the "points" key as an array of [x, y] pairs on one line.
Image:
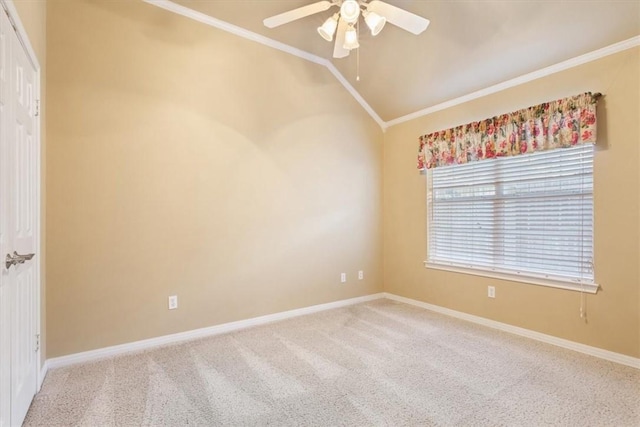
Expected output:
{"points": [[557, 124]]}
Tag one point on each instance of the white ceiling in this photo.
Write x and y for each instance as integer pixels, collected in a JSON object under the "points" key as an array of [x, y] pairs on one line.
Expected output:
{"points": [[470, 44]]}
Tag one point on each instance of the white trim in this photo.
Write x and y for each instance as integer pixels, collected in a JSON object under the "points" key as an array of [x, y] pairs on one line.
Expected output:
{"points": [[589, 288], [22, 33], [43, 374], [38, 257], [116, 350], [266, 41], [234, 29], [549, 339], [249, 35], [332, 68], [535, 75]]}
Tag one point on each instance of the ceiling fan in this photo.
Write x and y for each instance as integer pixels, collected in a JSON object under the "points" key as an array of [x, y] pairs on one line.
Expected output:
{"points": [[343, 23]]}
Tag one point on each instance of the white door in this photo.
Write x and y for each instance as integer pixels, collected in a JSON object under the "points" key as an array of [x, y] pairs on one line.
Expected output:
{"points": [[19, 280], [5, 295]]}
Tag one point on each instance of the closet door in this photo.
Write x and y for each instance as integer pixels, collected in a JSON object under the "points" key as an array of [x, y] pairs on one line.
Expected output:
{"points": [[5, 238], [22, 141], [19, 285]]}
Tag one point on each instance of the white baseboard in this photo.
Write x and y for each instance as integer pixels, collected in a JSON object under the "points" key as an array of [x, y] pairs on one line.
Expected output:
{"points": [[115, 350], [102, 353], [43, 373], [549, 339]]}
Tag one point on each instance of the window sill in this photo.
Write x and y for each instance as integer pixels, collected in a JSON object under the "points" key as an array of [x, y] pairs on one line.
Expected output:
{"points": [[589, 288]]}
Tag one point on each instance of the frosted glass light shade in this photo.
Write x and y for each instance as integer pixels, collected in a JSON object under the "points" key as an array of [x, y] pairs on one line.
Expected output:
{"points": [[375, 22], [350, 11], [328, 29], [351, 39]]}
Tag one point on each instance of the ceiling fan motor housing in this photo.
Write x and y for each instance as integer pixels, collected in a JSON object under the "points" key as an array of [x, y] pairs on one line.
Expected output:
{"points": [[350, 11]]}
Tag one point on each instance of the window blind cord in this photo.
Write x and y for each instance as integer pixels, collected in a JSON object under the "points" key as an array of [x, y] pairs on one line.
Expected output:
{"points": [[583, 302]]}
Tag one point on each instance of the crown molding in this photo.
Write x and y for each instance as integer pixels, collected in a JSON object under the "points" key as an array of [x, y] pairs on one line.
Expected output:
{"points": [[234, 29], [249, 35], [266, 41], [12, 12], [561, 66], [332, 68]]}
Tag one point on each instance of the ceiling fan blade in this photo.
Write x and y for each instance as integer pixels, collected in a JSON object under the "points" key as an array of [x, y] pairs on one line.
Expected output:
{"points": [[301, 12], [338, 50], [399, 17]]}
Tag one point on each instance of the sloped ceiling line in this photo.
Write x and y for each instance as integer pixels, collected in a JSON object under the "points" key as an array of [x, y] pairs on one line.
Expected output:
{"points": [[249, 35], [561, 66]]}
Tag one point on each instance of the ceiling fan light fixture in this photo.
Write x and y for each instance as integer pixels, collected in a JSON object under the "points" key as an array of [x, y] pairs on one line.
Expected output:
{"points": [[350, 11], [375, 22], [351, 38], [328, 29]]}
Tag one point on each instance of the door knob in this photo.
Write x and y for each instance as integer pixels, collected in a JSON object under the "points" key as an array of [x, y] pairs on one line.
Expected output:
{"points": [[10, 260], [16, 258], [26, 257]]}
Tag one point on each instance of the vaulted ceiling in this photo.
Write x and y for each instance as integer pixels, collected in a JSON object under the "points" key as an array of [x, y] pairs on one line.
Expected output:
{"points": [[469, 46]]}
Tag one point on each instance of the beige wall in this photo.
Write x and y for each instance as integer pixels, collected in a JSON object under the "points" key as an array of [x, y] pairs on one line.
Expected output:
{"points": [[33, 15], [614, 313], [188, 161], [184, 160]]}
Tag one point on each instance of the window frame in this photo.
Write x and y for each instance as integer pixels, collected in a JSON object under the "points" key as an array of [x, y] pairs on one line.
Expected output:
{"points": [[527, 277]]}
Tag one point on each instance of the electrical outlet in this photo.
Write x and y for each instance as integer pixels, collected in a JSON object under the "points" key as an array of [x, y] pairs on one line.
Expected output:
{"points": [[491, 291], [360, 275], [173, 302], [343, 277]]}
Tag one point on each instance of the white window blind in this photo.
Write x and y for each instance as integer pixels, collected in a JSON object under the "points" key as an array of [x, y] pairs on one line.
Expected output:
{"points": [[528, 215]]}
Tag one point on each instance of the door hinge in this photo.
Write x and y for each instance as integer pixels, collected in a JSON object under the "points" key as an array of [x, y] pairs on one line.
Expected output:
{"points": [[37, 107], [37, 342]]}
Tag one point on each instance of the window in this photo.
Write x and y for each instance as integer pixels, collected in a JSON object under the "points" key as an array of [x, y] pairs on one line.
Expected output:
{"points": [[528, 218]]}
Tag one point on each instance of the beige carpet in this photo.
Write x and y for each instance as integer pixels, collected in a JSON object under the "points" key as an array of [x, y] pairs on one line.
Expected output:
{"points": [[379, 363]]}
